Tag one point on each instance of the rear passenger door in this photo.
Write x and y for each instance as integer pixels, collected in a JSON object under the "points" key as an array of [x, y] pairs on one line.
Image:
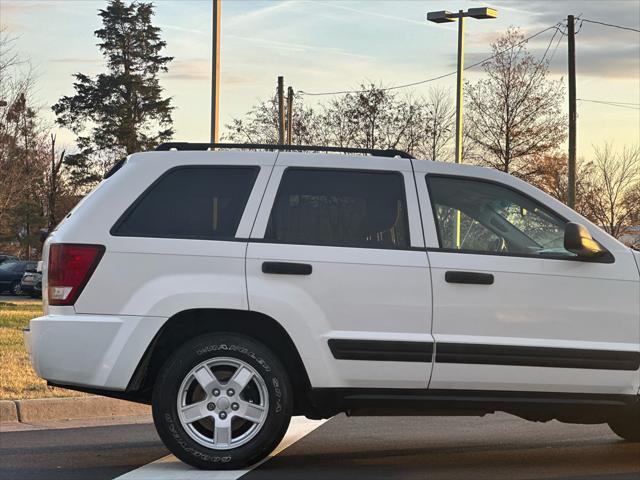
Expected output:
{"points": [[337, 257]]}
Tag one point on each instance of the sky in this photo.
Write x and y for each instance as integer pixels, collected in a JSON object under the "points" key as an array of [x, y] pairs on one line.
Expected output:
{"points": [[332, 45]]}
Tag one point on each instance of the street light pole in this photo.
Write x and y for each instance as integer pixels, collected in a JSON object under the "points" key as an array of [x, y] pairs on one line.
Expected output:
{"points": [[445, 17]]}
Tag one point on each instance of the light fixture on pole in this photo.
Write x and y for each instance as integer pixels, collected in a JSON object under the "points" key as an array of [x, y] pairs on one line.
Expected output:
{"points": [[444, 16]]}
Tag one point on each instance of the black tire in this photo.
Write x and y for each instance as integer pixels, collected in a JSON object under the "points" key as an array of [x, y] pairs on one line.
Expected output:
{"points": [[178, 366], [16, 289], [627, 425]]}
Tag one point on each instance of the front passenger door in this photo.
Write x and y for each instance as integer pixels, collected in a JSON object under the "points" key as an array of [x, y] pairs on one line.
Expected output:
{"points": [[513, 310]]}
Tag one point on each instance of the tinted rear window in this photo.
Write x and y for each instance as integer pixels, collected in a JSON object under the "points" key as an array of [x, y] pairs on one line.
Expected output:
{"points": [[191, 202], [340, 208]]}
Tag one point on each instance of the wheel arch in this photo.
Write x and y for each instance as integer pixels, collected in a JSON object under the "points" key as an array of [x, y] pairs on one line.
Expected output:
{"points": [[188, 324]]}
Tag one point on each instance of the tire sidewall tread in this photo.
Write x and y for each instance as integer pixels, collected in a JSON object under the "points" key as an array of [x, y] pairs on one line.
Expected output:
{"points": [[196, 351]]}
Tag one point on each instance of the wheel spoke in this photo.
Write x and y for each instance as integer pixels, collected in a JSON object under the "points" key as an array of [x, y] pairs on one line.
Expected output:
{"points": [[194, 412], [206, 379], [222, 432], [250, 411], [241, 378]]}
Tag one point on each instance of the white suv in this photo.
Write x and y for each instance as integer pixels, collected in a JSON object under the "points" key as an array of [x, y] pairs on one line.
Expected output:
{"points": [[232, 289]]}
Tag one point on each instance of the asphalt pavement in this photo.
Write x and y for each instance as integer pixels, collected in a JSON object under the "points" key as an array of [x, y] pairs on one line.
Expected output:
{"points": [[88, 453], [494, 447]]}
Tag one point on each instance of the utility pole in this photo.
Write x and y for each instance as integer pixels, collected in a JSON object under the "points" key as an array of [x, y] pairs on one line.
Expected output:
{"points": [[571, 189], [289, 115], [459, 86], [281, 110], [215, 70]]}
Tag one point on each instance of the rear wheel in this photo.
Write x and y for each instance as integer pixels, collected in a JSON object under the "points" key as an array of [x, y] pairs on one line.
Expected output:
{"points": [[627, 425], [222, 401]]}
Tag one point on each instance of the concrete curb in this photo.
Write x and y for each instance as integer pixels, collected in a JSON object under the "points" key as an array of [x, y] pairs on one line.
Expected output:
{"points": [[8, 411], [69, 408]]}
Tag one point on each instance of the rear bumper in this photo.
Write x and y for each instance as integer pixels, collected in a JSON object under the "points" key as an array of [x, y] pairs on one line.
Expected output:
{"points": [[94, 351]]}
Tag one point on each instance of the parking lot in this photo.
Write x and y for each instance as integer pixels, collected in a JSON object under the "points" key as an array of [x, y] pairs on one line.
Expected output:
{"points": [[494, 447]]}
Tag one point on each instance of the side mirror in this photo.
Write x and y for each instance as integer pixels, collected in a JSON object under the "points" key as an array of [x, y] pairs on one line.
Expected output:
{"points": [[578, 240]]}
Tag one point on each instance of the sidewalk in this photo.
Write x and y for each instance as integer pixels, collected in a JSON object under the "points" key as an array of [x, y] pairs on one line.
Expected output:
{"points": [[69, 412]]}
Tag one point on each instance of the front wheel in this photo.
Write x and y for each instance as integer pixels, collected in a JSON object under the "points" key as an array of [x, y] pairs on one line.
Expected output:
{"points": [[627, 425], [222, 401], [16, 288]]}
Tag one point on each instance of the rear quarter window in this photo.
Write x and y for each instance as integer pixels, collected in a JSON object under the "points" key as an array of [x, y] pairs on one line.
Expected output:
{"points": [[195, 202]]}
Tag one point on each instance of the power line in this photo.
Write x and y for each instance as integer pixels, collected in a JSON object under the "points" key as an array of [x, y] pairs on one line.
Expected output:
{"points": [[550, 43], [555, 49], [439, 77], [611, 25], [633, 106]]}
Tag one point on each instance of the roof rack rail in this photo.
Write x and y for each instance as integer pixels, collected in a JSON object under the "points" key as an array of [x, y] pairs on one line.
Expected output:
{"points": [[289, 148]]}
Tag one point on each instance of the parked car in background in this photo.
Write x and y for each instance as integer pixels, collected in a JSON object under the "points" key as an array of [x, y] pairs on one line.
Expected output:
{"points": [[7, 258], [631, 237], [11, 275], [31, 283]]}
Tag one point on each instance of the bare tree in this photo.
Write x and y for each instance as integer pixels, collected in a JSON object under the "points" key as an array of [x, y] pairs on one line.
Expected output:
{"points": [[260, 124], [440, 112], [514, 115], [31, 184], [632, 204], [373, 117], [54, 184], [615, 183]]}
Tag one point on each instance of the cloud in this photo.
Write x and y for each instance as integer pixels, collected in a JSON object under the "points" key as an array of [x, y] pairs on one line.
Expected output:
{"points": [[622, 12], [76, 60], [199, 70], [622, 63], [603, 53], [189, 69], [241, 19], [295, 47], [177, 28], [18, 8], [371, 13]]}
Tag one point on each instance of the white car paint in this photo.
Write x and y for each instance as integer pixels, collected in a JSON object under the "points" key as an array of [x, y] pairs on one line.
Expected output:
{"points": [[536, 302], [357, 293], [353, 293]]}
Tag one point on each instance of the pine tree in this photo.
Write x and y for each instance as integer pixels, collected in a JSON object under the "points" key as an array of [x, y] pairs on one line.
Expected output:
{"points": [[123, 110]]}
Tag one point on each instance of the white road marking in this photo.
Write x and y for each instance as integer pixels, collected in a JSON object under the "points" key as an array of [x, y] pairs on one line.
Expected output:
{"points": [[170, 468]]}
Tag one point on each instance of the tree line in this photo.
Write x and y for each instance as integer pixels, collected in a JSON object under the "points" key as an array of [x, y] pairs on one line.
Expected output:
{"points": [[513, 117], [513, 122]]}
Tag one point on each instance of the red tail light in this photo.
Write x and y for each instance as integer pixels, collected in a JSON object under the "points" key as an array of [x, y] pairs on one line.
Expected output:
{"points": [[70, 267]]}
